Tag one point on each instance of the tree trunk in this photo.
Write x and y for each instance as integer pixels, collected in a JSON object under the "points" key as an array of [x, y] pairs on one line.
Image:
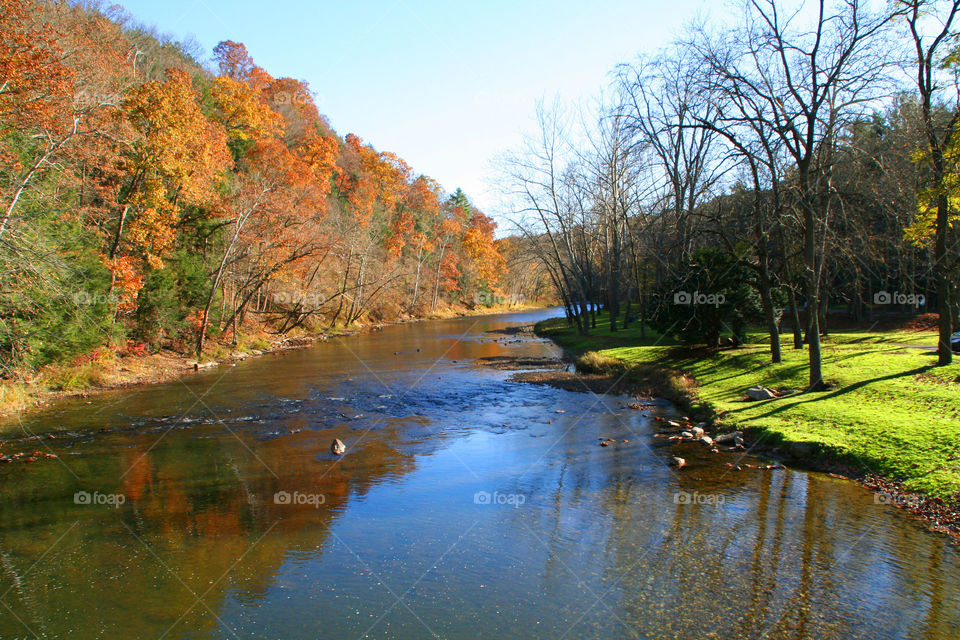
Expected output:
{"points": [[416, 282], [770, 314], [813, 292], [795, 319], [944, 308], [436, 284]]}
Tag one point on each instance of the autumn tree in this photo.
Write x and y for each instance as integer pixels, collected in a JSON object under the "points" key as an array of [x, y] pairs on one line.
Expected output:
{"points": [[929, 25]]}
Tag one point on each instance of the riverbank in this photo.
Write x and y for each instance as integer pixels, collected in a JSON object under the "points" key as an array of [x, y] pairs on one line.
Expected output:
{"points": [[108, 368], [889, 418]]}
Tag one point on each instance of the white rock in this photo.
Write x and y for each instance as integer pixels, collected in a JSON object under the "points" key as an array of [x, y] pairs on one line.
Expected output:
{"points": [[760, 393]]}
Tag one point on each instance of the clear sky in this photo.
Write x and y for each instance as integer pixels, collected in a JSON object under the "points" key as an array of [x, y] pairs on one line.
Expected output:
{"points": [[447, 85]]}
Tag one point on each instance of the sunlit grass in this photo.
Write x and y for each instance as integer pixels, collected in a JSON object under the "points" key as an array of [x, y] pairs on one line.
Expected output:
{"points": [[890, 411]]}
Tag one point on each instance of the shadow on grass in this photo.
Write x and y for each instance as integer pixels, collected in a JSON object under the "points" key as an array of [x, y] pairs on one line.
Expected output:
{"points": [[835, 394]]}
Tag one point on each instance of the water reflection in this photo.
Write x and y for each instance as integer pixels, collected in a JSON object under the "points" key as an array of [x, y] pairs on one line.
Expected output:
{"points": [[574, 540]]}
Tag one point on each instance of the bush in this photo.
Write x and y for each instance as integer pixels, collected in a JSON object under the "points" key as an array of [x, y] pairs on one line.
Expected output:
{"points": [[711, 296]]}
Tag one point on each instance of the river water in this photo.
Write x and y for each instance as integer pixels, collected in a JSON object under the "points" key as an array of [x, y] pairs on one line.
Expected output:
{"points": [[467, 506]]}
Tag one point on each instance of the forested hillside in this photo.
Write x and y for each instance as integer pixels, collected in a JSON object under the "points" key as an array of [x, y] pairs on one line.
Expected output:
{"points": [[151, 200]]}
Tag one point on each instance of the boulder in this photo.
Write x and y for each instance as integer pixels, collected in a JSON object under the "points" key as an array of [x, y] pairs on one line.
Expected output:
{"points": [[697, 432], [707, 440], [760, 393], [337, 448], [677, 462], [728, 438]]}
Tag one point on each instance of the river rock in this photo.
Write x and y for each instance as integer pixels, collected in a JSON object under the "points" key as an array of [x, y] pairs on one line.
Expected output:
{"points": [[728, 438], [337, 448], [760, 393], [697, 432], [677, 462], [686, 434], [707, 440]]}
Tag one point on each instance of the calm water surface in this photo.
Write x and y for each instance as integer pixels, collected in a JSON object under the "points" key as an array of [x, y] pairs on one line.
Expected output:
{"points": [[467, 506]]}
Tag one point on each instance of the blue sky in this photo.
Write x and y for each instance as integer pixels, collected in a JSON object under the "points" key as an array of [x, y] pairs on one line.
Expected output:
{"points": [[446, 85]]}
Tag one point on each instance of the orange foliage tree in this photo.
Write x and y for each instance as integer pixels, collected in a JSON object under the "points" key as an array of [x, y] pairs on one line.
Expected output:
{"points": [[178, 158]]}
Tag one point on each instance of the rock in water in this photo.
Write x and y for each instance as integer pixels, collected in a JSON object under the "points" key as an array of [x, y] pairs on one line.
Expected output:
{"points": [[338, 448], [677, 462]]}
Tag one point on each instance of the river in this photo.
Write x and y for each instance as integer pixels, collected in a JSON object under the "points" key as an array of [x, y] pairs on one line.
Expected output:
{"points": [[466, 506]]}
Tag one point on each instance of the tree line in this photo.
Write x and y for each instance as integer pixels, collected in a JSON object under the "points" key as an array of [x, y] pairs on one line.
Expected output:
{"points": [[150, 201], [757, 173]]}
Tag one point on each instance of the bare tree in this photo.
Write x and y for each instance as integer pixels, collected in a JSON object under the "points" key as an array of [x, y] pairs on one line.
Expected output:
{"points": [[802, 77], [552, 203], [928, 46], [661, 105]]}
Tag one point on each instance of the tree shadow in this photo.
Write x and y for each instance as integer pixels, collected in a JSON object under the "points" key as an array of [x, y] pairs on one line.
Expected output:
{"points": [[837, 393]]}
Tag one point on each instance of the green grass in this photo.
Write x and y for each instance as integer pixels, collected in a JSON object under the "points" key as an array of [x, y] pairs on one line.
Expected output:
{"points": [[891, 410]]}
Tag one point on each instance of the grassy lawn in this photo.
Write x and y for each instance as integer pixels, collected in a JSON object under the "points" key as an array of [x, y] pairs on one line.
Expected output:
{"points": [[891, 412]]}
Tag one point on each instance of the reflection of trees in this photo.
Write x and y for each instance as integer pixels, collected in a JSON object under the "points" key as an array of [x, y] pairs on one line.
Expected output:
{"points": [[200, 506], [784, 554], [789, 555]]}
